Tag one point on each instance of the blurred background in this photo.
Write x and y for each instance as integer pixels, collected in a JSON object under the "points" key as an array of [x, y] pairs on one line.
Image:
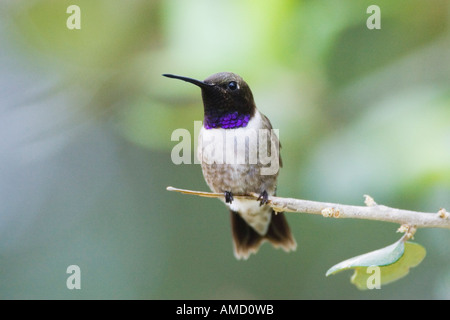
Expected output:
{"points": [[85, 141]]}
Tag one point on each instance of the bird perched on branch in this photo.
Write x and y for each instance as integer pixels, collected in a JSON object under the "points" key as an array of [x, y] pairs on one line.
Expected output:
{"points": [[239, 154]]}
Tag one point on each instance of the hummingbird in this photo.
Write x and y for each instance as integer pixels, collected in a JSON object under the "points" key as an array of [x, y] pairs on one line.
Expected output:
{"points": [[231, 122]]}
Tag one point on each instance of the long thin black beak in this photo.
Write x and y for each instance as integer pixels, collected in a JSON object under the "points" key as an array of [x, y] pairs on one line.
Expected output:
{"points": [[199, 83]]}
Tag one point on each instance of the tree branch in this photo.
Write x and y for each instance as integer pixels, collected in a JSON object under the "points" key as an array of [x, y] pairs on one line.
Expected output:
{"points": [[371, 211]]}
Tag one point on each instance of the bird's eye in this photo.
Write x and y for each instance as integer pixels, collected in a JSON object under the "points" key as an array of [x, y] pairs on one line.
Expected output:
{"points": [[232, 85]]}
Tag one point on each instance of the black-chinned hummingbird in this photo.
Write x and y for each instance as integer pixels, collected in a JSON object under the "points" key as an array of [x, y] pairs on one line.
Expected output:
{"points": [[236, 129]]}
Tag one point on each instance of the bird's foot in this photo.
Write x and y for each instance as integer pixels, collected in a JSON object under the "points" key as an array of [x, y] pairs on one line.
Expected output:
{"points": [[263, 198], [228, 197]]}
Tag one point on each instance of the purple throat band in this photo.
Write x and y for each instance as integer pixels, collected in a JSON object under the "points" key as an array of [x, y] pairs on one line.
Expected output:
{"points": [[228, 121]]}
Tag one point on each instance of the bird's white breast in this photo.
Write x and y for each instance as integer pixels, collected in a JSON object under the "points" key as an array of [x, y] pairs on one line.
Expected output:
{"points": [[232, 146]]}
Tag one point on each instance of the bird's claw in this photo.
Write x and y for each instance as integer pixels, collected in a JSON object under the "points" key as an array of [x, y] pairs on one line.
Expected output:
{"points": [[228, 197], [263, 198]]}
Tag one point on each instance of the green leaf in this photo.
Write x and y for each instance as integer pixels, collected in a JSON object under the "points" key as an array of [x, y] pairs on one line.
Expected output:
{"points": [[393, 263]]}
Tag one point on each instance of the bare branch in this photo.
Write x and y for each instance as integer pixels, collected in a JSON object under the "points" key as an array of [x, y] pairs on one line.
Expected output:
{"points": [[372, 211]]}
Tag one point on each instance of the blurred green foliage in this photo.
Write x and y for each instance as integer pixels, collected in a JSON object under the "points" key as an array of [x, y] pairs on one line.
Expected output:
{"points": [[86, 122]]}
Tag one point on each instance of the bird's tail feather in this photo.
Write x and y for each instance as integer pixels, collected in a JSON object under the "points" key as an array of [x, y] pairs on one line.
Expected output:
{"points": [[247, 241]]}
